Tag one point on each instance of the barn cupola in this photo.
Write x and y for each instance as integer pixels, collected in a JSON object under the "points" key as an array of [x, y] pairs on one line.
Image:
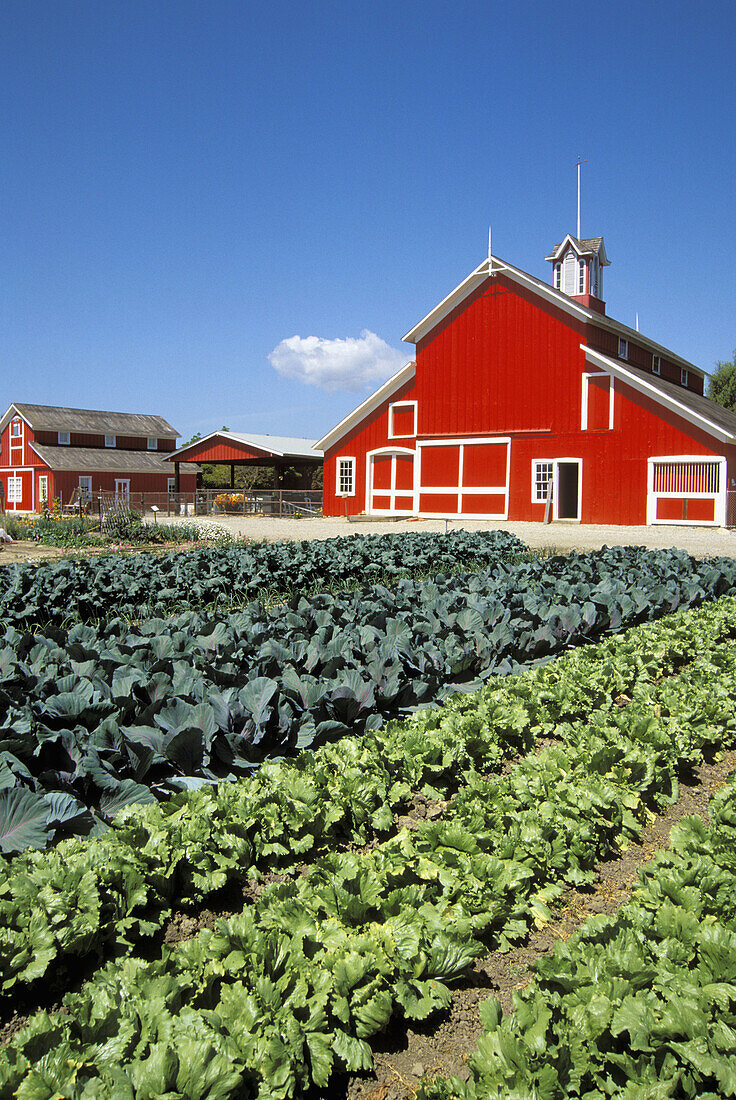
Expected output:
{"points": [[577, 270]]}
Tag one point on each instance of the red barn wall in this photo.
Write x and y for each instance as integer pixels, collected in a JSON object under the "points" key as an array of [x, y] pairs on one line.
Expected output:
{"points": [[505, 363]]}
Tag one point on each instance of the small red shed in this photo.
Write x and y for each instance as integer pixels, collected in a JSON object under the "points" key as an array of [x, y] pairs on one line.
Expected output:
{"points": [[47, 451], [525, 402]]}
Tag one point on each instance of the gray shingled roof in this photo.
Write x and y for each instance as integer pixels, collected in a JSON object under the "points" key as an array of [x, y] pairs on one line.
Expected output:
{"points": [[102, 460], [55, 418]]}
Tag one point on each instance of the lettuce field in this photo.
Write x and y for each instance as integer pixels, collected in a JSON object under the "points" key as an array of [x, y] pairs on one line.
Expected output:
{"points": [[245, 729]]}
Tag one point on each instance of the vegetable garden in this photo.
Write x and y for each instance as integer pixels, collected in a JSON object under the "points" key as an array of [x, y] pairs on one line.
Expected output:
{"points": [[150, 763]]}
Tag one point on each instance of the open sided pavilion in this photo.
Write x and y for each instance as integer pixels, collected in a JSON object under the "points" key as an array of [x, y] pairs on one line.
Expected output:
{"points": [[292, 461]]}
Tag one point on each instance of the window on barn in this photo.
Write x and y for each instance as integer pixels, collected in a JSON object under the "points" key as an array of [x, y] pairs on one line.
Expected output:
{"points": [[623, 348], [15, 429], [581, 279], [63, 439], [152, 443], [558, 276], [346, 477], [543, 473], [85, 486], [109, 440], [570, 273], [15, 490], [683, 376], [656, 364]]}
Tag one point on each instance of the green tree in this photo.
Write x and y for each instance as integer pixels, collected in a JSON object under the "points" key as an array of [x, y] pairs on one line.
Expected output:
{"points": [[722, 384]]}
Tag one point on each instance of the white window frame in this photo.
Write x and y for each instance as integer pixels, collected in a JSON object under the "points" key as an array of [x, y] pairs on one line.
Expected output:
{"points": [[401, 405], [85, 486], [461, 491], [536, 463], [623, 348], [584, 399], [350, 461], [719, 498], [557, 275], [43, 488], [14, 494], [63, 438], [152, 443], [17, 423], [656, 364], [110, 441], [684, 376], [122, 488], [556, 463], [581, 278], [171, 485]]}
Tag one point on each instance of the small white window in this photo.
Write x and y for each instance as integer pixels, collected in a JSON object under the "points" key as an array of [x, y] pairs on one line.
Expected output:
{"points": [[171, 486], [543, 473], [346, 477], [581, 279], [15, 490], [15, 429], [43, 488], [683, 376], [85, 486], [63, 439], [656, 365], [594, 277], [152, 443], [109, 440], [623, 348], [558, 275], [122, 489]]}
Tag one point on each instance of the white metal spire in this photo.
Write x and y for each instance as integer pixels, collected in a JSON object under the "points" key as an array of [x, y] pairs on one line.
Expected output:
{"points": [[580, 161]]}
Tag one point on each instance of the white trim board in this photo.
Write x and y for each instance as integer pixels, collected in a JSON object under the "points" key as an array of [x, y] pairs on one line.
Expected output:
{"points": [[367, 407], [638, 382]]}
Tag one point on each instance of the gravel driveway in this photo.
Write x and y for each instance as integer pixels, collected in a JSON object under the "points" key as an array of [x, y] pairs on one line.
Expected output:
{"points": [[699, 541]]}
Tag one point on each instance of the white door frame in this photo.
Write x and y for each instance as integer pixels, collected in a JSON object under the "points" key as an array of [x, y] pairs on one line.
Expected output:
{"points": [[393, 492], [556, 494], [719, 498]]}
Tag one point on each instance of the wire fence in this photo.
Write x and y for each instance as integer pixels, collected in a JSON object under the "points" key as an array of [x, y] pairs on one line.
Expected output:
{"points": [[280, 503]]}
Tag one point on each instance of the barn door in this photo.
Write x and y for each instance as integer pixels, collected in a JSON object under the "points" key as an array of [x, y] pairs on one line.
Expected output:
{"points": [[687, 489], [391, 482]]}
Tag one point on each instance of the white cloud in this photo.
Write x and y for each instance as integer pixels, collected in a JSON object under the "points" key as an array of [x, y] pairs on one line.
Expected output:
{"points": [[349, 364]]}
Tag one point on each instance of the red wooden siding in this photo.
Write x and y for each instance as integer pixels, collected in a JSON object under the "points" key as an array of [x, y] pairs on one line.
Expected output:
{"points": [[508, 365]]}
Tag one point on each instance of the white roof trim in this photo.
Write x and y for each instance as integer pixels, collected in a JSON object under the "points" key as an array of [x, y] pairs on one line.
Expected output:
{"points": [[11, 412], [639, 383], [476, 277], [366, 407], [255, 442]]}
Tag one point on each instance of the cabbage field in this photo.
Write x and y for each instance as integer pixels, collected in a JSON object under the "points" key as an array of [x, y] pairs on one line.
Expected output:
{"points": [[169, 739]]}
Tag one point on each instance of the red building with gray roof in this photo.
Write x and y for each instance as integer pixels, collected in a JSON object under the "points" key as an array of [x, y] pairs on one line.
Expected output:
{"points": [[49, 452], [526, 401]]}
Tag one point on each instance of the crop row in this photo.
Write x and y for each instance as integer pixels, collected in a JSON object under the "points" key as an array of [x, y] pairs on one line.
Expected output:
{"points": [[109, 892], [276, 999], [148, 585], [639, 1004], [97, 718]]}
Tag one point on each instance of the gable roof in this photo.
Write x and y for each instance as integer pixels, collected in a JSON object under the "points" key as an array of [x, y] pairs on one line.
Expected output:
{"points": [[57, 418], [702, 412], [555, 297], [584, 246], [274, 446]]}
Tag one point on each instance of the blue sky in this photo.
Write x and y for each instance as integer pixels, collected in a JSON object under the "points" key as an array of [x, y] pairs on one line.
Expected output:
{"points": [[186, 185]]}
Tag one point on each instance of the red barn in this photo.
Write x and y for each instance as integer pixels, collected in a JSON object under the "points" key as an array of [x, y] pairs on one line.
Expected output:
{"points": [[48, 452], [525, 402]]}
